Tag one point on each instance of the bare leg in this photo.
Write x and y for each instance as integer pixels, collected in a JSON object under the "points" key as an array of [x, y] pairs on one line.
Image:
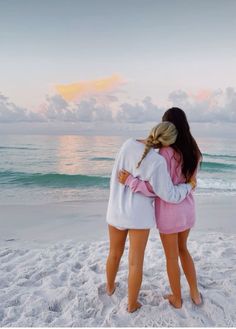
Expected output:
{"points": [[170, 245], [138, 241], [188, 267], [117, 244]]}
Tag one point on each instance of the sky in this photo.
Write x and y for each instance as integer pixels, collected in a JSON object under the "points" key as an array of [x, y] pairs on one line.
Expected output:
{"points": [[122, 61]]}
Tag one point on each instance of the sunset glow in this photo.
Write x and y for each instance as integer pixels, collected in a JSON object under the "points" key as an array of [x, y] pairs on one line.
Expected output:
{"points": [[74, 91], [202, 95]]}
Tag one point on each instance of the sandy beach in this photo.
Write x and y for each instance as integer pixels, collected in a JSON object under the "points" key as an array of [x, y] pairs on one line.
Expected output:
{"points": [[53, 269], [64, 285]]}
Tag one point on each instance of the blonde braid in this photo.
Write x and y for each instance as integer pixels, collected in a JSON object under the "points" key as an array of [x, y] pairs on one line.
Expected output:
{"points": [[148, 146], [164, 134]]}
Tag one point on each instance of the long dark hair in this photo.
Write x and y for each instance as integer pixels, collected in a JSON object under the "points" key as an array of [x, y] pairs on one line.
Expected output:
{"points": [[185, 145]]}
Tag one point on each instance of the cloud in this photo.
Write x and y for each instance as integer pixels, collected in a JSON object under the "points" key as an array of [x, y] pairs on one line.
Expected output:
{"points": [[89, 110], [57, 109], [138, 113], [211, 106], [76, 91], [92, 110], [202, 95], [216, 106], [9, 112]]}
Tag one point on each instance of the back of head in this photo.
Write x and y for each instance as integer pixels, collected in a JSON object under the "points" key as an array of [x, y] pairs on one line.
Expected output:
{"points": [[185, 144], [163, 134], [178, 118]]}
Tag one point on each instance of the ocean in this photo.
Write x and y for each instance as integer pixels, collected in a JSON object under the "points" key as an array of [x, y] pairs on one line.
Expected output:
{"points": [[37, 169]]}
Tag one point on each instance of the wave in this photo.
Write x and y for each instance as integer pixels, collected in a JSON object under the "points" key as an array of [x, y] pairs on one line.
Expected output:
{"points": [[216, 166], [53, 180], [57, 180], [102, 159], [216, 184], [219, 156], [17, 148]]}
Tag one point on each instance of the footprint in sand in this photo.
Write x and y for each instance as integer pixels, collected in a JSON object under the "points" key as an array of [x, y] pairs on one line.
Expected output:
{"points": [[76, 267], [150, 297], [102, 292], [96, 268], [55, 306], [109, 302], [5, 253], [41, 274], [118, 314], [63, 276], [13, 302]]}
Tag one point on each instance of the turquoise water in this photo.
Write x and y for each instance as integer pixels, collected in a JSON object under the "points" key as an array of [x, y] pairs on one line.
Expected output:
{"points": [[44, 169]]}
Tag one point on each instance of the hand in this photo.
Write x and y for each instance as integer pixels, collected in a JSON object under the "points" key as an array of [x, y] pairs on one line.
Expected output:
{"points": [[122, 176], [193, 182]]}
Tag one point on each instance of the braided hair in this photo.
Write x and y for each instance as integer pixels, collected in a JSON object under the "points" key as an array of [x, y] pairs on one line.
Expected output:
{"points": [[163, 134]]}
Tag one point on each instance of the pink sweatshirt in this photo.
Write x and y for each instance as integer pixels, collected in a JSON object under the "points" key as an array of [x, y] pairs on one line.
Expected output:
{"points": [[170, 218]]}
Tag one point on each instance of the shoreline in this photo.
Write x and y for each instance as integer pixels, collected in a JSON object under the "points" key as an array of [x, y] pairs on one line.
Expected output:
{"points": [[86, 222]]}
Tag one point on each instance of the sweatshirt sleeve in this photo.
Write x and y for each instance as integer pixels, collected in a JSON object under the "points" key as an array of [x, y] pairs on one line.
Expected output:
{"points": [[160, 184], [137, 185], [163, 186]]}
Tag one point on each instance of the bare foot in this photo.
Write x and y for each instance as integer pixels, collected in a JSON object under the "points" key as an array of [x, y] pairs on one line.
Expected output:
{"points": [[174, 301], [133, 308], [110, 290], [197, 298]]}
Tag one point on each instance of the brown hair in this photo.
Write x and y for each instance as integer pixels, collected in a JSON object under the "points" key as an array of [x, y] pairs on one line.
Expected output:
{"points": [[185, 145]]}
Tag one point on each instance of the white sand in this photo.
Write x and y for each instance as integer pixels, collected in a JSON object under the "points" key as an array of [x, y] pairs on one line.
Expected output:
{"points": [[48, 280], [64, 285]]}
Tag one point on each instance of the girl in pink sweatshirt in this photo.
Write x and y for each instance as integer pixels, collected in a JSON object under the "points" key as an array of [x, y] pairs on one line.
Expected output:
{"points": [[174, 221]]}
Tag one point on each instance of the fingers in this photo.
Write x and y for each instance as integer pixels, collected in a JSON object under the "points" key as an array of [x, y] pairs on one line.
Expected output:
{"points": [[193, 179], [122, 176], [124, 172], [193, 182], [122, 179]]}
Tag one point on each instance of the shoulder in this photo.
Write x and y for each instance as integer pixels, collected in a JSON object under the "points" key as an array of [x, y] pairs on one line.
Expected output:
{"points": [[156, 158], [167, 151], [127, 143], [170, 154]]}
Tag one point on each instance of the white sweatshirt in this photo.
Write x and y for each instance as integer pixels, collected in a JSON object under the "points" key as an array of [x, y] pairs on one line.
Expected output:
{"points": [[134, 210]]}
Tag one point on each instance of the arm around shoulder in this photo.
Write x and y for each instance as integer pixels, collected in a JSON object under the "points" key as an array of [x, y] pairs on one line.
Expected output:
{"points": [[137, 185], [163, 186]]}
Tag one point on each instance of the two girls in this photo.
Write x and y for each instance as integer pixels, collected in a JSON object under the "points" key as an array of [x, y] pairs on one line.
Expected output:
{"points": [[132, 213]]}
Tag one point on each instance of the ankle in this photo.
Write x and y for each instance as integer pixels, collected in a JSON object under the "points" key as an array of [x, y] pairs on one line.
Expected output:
{"points": [[110, 286], [194, 291], [174, 300], [133, 306], [177, 298]]}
